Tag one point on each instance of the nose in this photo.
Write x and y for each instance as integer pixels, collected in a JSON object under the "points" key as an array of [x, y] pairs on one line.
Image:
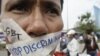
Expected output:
{"points": [[36, 24], [36, 28]]}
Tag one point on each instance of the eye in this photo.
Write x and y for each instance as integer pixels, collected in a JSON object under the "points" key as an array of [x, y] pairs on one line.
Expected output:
{"points": [[52, 12], [18, 9]]}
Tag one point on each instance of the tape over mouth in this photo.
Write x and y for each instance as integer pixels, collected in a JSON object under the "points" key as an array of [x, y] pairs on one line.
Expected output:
{"points": [[28, 46]]}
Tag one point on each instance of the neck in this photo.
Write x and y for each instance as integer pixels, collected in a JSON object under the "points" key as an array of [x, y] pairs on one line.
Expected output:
{"points": [[69, 39]]}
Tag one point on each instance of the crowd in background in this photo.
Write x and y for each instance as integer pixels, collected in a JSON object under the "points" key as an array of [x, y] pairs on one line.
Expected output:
{"points": [[70, 44]]}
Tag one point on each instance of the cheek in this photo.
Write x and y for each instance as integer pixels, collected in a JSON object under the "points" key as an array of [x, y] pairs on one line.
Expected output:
{"points": [[10, 15], [13, 16], [17, 18], [68, 35], [55, 25]]}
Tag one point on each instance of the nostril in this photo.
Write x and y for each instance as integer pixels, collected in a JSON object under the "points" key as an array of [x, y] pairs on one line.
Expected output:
{"points": [[36, 34], [37, 28]]}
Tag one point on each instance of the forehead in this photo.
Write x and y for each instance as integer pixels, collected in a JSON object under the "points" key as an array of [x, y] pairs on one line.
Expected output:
{"points": [[57, 2]]}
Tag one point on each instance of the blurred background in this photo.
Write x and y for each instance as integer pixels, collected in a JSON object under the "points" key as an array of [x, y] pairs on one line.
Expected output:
{"points": [[73, 12]]}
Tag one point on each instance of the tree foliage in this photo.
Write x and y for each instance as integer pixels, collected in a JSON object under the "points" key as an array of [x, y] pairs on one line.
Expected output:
{"points": [[85, 22]]}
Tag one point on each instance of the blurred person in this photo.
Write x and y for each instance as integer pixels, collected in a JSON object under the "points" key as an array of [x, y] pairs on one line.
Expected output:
{"points": [[35, 17], [61, 46], [63, 42], [72, 46], [90, 41]]}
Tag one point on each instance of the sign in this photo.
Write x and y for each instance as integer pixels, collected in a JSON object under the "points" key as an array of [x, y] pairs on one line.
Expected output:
{"points": [[24, 45]]}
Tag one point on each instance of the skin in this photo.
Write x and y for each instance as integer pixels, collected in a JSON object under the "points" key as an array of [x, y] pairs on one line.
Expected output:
{"points": [[36, 17], [70, 37]]}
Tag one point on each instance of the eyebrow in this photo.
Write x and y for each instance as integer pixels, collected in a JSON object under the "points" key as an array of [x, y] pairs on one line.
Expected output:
{"points": [[12, 3], [19, 2], [51, 3]]}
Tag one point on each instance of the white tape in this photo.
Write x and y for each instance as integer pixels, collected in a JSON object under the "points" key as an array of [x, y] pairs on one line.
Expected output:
{"points": [[27, 46]]}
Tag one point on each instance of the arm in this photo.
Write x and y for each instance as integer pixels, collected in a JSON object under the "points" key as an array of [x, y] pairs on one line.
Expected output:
{"points": [[84, 43], [96, 43], [84, 48]]}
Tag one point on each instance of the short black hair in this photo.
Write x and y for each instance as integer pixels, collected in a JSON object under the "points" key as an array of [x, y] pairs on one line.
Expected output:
{"points": [[62, 1]]}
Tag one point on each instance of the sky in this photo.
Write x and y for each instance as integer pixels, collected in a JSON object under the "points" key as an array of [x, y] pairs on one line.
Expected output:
{"points": [[73, 9]]}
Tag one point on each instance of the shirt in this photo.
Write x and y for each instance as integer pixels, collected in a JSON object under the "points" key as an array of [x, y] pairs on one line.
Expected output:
{"points": [[73, 47]]}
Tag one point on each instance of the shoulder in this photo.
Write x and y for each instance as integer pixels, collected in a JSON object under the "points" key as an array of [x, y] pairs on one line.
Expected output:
{"points": [[74, 40]]}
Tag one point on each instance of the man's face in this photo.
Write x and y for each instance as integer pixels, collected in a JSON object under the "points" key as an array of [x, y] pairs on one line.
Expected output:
{"points": [[36, 17], [70, 35]]}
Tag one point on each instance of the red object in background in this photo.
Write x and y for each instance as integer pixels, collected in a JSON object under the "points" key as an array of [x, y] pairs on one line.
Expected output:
{"points": [[59, 54], [98, 54]]}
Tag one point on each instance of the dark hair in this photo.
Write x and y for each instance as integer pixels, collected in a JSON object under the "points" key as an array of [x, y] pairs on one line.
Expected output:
{"points": [[89, 31], [62, 1]]}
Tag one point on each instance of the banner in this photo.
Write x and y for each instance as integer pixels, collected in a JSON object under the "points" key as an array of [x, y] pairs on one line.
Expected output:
{"points": [[25, 45]]}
